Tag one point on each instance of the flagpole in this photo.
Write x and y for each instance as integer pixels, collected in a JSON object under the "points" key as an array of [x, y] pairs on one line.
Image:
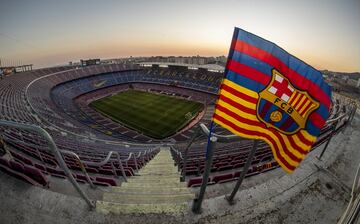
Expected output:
{"points": [[208, 140], [196, 207], [230, 198], [211, 140]]}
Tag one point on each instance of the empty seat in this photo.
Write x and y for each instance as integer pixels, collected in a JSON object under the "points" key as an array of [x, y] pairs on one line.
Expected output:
{"points": [[4, 162], [225, 167], [128, 172], [18, 175], [222, 178], [36, 175], [83, 177], [41, 167], [192, 171], [56, 173], [106, 172], [74, 167], [110, 181], [22, 158], [197, 181], [80, 180], [91, 170], [102, 184], [16, 166]]}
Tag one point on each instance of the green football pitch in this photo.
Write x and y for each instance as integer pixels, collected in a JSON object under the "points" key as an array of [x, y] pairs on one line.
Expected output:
{"points": [[154, 115]]}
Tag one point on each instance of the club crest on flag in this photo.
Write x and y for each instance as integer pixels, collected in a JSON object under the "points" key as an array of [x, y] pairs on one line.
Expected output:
{"points": [[283, 107]]}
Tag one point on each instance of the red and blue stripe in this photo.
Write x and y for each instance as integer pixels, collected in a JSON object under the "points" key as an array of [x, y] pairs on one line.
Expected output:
{"points": [[250, 65]]}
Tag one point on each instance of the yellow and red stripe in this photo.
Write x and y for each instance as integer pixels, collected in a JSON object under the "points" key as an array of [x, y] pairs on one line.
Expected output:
{"points": [[236, 111]]}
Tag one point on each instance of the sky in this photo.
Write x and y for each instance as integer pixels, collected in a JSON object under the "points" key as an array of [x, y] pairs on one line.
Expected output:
{"points": [[323, 33]]}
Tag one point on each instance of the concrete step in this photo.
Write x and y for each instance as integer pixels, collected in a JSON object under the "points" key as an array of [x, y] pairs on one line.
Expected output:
{"points": [[160, 163], [151, 190], [152, 165], [154, 180], [149, 185], [155, 189], [107, 207], [164, 168], [156, 175], [158, 172], [147, 198]]}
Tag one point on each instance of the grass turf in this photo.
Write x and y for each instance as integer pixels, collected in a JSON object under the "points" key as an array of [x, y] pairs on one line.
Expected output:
{"points": [[154, 115]]}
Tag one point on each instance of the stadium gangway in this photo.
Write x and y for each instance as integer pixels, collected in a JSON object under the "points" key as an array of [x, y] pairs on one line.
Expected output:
{"points": [[58, 155], [141, 155], [53, 148]]}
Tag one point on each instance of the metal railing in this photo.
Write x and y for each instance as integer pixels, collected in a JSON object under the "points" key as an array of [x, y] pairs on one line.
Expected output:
{"points": [[59, 156], [82, 163], [344, 116], [53, 148], [106, 160]]}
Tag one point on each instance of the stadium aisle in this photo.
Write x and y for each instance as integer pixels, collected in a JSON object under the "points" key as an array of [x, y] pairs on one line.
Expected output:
{"points": [[157, 189]]}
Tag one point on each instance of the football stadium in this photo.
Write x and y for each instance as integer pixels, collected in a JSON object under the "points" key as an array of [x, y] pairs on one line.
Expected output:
{"points": [[259, 136], [123, 132]]}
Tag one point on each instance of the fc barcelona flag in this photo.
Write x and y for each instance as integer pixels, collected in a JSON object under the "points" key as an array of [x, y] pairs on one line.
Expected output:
{"points": [[271, 95]]}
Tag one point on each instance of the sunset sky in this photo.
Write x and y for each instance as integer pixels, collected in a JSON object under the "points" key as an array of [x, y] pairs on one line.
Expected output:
{"points": [[323, 33]]}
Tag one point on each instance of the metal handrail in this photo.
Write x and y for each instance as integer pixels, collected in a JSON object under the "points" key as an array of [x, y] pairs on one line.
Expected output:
{"points": [[81, 163], [53, 148], [139, 155], [106, 160], [129, 157], [206, 131], [178, 155], [97, 164], [135, 162], [176, 151], [336, 118], [82, 167], [11, 139]]}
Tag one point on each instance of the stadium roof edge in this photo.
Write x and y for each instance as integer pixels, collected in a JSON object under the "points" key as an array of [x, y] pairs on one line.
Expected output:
{"points": [[209, 67]]}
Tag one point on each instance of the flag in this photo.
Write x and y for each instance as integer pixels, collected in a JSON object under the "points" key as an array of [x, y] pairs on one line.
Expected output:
{"points": [[270, 95]]}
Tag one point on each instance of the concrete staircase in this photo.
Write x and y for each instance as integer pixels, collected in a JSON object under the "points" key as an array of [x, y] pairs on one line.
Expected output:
{"points": [[156, 189]]}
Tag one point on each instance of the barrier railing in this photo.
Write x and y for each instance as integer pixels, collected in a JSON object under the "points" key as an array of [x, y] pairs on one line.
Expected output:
{"points": [[62, 164], [106, 160], [53, 148], [82, 167], [341, 115], [82, 163]]}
